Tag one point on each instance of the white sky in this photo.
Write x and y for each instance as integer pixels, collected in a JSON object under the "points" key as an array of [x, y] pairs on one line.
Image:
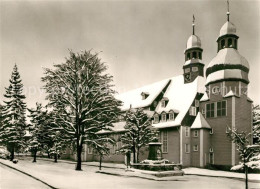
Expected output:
{"points": [[141, 41]]}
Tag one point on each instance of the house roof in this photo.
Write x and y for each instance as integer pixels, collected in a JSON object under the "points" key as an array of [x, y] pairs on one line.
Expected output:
{"points": [[200, 122], [134, 99]]}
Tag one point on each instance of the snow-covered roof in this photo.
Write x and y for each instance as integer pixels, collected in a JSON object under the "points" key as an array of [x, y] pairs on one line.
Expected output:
{"points": [[134, 99], [226, 74], [205, 97], [200, 122], [180, 97], [193, 61], [193, 41], [228, 56], [230, 94], [227, 28]]}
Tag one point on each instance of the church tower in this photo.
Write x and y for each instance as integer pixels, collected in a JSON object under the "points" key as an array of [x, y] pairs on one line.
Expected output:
{"points": [[226, 104], [193, 65]]}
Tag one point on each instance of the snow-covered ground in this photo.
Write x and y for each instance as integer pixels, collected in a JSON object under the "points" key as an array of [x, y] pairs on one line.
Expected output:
{"points": [[62, 175]]}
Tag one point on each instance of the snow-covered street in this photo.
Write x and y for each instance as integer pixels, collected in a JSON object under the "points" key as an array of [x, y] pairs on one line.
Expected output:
{"points": [[63, 175]]}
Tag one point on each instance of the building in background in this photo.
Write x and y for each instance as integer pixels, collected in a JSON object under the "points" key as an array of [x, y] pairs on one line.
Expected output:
{"points": [[192, 111]]}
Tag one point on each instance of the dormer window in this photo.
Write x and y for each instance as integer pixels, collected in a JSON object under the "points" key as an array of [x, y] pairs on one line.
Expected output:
{"points": [[171, 116], [194, 55], [229, 42], [144, 95], [222, 44], [194, 69], [156, 118], [164, 102], [163, 116], [188, 56]]}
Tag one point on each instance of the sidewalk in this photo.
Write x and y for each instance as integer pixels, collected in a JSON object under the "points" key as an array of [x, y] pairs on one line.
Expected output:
{"points": [[187, 171]]}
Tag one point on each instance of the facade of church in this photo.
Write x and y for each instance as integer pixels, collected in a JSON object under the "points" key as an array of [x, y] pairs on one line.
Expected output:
{"points": [[192, 111]]}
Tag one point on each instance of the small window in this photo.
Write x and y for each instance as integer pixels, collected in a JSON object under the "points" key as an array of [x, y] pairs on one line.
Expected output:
{"points": [[194, 55], [203, 111], [211, 131], [188, 56], [187, 131], [197, 103], [221, 108], [155, 118], [200, 56], [222, 44], [163, 116], [229, 42], [187, 148], [163, 103], [235, 45], [187, 70], [192, 111], [210, 110], [194, 69], [171, 116], [196, 133], [164, 141], [195, 148]]}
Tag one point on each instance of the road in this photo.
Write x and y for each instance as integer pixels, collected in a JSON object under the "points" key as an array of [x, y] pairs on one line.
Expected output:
{"points": [[63, 176], [12, 179]]}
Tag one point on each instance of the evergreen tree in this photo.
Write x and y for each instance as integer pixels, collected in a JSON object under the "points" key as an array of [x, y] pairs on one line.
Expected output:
{"points": [[14, 124], [138, 132], [85, 90]]}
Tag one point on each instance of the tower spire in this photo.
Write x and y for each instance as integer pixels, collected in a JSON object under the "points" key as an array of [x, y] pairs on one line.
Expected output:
{"points": [[228, 13], [193, 25]]}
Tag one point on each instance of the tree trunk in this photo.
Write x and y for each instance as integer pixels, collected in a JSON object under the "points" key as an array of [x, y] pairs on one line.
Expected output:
{"points": [[79, 150], [246, 172], [137, 155], [55, 158], [100, 161], [34, 155], [134, 159], [48, 154], [12, 154]]}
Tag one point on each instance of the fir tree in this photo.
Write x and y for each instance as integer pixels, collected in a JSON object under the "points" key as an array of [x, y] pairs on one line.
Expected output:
{"points": [[85, 90], [14, 124], [138, 132]]}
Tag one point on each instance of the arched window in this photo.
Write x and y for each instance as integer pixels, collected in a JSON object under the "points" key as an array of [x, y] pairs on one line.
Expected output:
{"points": [[235, 44], [194, 55], [200, 56], [222, 43], [188, 56], [229, 42]]}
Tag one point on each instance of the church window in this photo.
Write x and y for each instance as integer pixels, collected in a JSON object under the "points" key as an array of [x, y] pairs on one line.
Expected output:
{"points": [[187, 148], [196, 133], [194, 54], [156, 118], [221, 108], [200, 56], [229, 42], [163, 116], [187, 131], [164, 140], [187, 70], [188, 56], [222, 43], [192, 111], [195, 148], [194, 69], [210, 110], [171, 116]]}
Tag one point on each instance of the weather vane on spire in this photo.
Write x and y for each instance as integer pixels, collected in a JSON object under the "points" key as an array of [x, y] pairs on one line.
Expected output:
{"points": [[193, 25], [228, 13]]}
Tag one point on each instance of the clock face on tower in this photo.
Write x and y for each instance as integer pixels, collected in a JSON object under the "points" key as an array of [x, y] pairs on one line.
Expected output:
{"points": [[187, 77]]}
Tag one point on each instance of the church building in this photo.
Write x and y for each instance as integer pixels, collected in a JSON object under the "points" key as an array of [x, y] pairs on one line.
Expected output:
{"points": [[192, 111]]}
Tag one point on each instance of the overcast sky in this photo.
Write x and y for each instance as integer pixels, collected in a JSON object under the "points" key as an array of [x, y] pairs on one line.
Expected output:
{"points": [[141, 41]]}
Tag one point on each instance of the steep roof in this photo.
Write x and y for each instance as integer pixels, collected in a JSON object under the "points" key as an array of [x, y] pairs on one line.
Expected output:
{"points": [[200, 122], [180, 97], [134, 99]]}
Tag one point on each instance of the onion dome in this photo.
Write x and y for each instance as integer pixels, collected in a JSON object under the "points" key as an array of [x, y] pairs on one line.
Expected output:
{"points": [[227, 28], [193, 42]]}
